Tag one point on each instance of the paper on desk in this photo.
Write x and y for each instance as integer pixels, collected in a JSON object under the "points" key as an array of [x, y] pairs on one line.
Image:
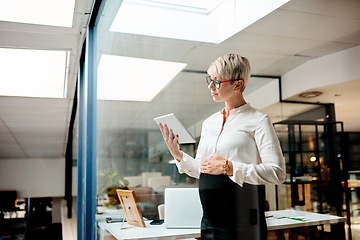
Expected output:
{"points": [[293, 215]]}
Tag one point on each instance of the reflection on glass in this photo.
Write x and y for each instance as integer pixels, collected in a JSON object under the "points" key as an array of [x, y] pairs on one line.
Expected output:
{"points": [[308, 138], [117, 81], [131, 151], [314, 166]]}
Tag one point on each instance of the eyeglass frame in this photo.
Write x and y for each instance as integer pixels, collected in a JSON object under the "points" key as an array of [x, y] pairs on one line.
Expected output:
{"points": [[218, 81]]}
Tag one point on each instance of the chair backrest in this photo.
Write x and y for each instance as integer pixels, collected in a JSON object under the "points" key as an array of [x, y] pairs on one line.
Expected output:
{"points": [[39, 211], [38, 218], [161, 211], [134, 181], [156, 182], [147, 175]]}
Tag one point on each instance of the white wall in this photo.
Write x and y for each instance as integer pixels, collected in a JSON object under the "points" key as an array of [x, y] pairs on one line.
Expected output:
{"points": [[269, 90], [33, 177], [334, 68]]}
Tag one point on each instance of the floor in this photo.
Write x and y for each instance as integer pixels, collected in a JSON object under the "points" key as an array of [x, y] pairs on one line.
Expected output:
{"points": [[13, 226], [355, 228], [355, 214], [12, 229]]}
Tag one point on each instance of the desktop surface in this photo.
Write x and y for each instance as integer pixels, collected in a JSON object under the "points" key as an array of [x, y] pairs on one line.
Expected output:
{"points": [[276, 220], [125, 231]]}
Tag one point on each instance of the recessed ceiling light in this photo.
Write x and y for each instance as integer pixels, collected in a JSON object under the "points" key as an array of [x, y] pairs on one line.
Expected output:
{"points": [[44, 12], [311, 94], [32, 73], [133, 79]]}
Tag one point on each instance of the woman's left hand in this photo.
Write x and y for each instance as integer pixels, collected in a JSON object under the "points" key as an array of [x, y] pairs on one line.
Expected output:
{"points": [[213, 165]]}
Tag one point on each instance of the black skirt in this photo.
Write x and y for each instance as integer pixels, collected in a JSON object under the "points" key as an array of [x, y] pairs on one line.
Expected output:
{"points": [[230, 211]]}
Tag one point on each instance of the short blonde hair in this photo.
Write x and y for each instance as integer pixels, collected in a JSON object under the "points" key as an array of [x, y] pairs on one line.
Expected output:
{"points": [[231, 67]]}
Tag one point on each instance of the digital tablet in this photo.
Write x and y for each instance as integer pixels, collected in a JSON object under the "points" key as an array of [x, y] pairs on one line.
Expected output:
{"points": [[178, 129]]}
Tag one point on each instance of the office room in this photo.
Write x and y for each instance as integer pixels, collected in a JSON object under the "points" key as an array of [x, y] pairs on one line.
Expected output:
{"points": [[83, 81]]}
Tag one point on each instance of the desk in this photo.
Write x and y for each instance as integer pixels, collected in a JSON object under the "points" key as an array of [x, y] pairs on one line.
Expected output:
{"points": [[276, 220], [285, 219], [150, 232]]}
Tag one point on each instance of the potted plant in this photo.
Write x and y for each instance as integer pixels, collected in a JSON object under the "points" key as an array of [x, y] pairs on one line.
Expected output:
{"points": [[111, 179]]}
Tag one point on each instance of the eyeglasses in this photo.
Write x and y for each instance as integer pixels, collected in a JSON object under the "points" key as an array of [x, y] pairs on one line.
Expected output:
{"points": [[217, 83]]}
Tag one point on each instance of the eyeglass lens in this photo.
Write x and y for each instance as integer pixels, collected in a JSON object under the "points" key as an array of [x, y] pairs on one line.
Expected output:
{"points": [[214, 82]]}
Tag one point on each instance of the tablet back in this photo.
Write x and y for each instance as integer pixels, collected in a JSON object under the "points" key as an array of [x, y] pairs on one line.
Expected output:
{"points": [[178, 129]]}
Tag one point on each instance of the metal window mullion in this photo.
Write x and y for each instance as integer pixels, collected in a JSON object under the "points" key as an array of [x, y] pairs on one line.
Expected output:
{"points": [[91, 103], [81, 153]]}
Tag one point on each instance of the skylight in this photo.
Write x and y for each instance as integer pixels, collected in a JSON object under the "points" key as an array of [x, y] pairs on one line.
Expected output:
{"points": [[204, 6], [133, 79], [32, 73], [43, 12], [212, 22]]}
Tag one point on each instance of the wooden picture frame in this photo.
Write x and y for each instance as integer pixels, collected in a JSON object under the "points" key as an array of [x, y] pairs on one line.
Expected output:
{"points": [[131, 208]]}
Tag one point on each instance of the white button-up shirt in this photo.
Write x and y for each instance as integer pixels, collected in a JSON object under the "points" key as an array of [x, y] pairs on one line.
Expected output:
{"points": [[247, 139]]}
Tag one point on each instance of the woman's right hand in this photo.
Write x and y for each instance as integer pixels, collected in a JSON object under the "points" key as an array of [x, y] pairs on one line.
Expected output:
{"points": [[171, 142]]}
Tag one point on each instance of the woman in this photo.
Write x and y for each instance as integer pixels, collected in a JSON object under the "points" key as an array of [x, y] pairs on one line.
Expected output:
{"points": [[238, 151]]}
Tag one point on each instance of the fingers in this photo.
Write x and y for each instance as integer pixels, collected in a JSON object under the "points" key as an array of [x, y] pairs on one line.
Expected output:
{"points": [[212, 165], [208, 170], [170, 134], [169, 138], [165, 132], [205, 167], [171, 141], [176, 138], [162, 130]]}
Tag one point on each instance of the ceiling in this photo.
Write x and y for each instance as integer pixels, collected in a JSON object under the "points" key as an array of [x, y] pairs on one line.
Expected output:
{"points": [[297, 32]]}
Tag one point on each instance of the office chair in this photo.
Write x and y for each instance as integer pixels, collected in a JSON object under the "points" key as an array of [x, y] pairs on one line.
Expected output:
{"points": [[38, 218]]}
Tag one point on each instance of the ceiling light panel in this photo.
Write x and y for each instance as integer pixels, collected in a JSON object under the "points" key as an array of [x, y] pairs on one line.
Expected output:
{"points": [[212, 22], [43, 12], [32, 73], [133, 79], [148, 20], [203, 6]]}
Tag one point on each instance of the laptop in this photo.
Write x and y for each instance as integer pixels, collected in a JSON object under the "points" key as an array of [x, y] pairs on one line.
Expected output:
{"points": [[182, 208]]}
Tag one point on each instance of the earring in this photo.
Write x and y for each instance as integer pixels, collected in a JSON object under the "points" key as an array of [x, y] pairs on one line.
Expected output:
{"points": [[235, 90]]}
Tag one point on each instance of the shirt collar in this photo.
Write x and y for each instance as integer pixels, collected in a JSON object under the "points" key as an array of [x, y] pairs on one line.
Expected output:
{"points": [[237, 110]]}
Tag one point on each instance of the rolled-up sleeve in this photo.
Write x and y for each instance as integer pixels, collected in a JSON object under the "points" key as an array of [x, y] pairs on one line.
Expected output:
{"points": [[271, 170], [189, 165]]}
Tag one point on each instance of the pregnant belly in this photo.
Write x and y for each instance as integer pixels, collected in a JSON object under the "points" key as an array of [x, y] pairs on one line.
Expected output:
{"points": [[217, 196]]}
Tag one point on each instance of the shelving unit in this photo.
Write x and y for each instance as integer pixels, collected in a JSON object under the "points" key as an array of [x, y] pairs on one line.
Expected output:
{"points": [[315, 159]]}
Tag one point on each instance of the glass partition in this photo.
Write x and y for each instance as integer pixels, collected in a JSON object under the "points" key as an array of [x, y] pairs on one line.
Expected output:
{"points": [[139, 78]]}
